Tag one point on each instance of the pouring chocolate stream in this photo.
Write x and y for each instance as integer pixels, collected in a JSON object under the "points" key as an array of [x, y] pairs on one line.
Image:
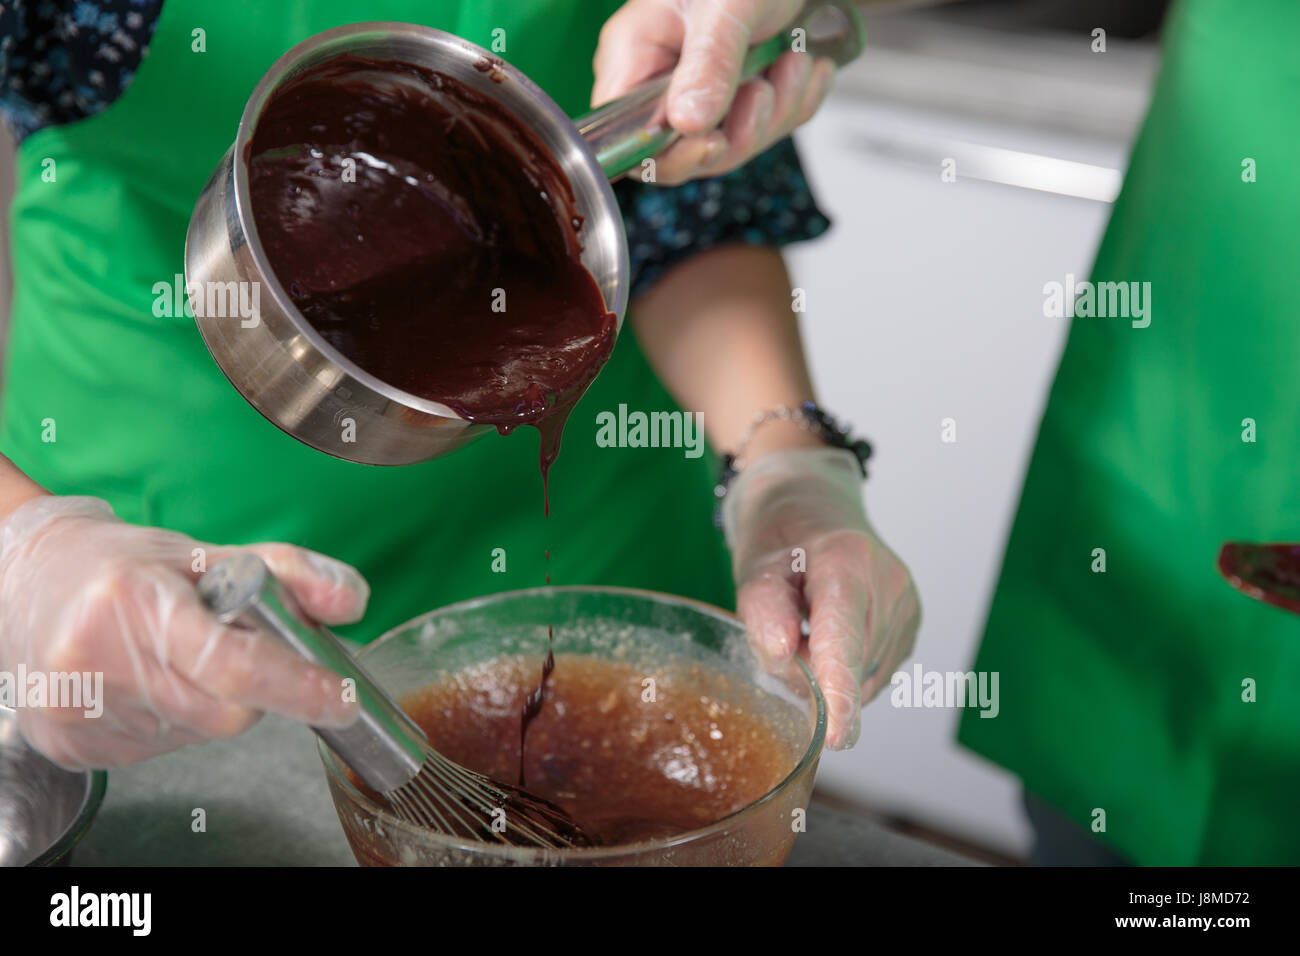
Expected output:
{"points": [[431, 239]]}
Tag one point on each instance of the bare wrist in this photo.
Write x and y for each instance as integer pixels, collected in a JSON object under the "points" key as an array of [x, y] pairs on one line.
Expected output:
{"points": [[16, 488], [780, 436], [779, 428]]}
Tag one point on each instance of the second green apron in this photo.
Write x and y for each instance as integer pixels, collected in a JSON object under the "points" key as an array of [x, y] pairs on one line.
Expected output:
{"points": [[1140, 695]]}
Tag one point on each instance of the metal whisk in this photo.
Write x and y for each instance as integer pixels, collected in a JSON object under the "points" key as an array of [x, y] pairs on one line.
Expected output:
{"points": [[384, 746]]}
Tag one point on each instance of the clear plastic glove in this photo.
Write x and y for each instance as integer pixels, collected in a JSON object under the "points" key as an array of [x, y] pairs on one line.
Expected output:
{"points": [[82, 591], [707, 40], [800, 543]]}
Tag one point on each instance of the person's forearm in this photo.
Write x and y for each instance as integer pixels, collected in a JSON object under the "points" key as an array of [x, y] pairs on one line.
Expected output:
{"points": [[720, 333], [15, 487]]}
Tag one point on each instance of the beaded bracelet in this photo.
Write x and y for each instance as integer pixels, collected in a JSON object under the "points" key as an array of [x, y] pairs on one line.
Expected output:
{"points": [[806, 415]]}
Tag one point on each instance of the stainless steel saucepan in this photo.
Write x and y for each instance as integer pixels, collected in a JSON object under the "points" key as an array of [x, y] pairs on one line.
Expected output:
{"points": [[285, 369]]}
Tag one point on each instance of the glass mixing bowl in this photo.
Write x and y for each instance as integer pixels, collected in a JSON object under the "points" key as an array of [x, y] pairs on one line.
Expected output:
{"points": [[658, 635]]}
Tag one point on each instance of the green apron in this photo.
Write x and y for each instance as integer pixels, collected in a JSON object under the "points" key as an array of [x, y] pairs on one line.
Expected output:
{"points": [[1129, 690], [143, 417]]}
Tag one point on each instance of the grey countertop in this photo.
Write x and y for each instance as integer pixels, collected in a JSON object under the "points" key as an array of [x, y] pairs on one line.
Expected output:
{"points": [[265, 803]]}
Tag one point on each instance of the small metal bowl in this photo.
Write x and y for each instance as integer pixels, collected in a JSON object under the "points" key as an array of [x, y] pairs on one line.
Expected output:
{"points": [[44, 809]]}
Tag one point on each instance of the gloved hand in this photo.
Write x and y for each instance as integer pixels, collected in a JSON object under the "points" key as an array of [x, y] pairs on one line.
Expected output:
{"points": [[862, 607], [708, 39], [81, 590]]}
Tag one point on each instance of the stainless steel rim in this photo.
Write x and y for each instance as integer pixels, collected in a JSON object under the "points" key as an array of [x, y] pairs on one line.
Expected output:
{"points": [[96, 787]]}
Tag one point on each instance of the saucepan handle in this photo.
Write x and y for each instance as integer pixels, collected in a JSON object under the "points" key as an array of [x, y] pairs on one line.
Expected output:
{"points": [[634, 127]]}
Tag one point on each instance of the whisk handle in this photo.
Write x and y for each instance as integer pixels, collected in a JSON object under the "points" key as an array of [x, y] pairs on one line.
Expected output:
{"points": [[384, 746]]}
